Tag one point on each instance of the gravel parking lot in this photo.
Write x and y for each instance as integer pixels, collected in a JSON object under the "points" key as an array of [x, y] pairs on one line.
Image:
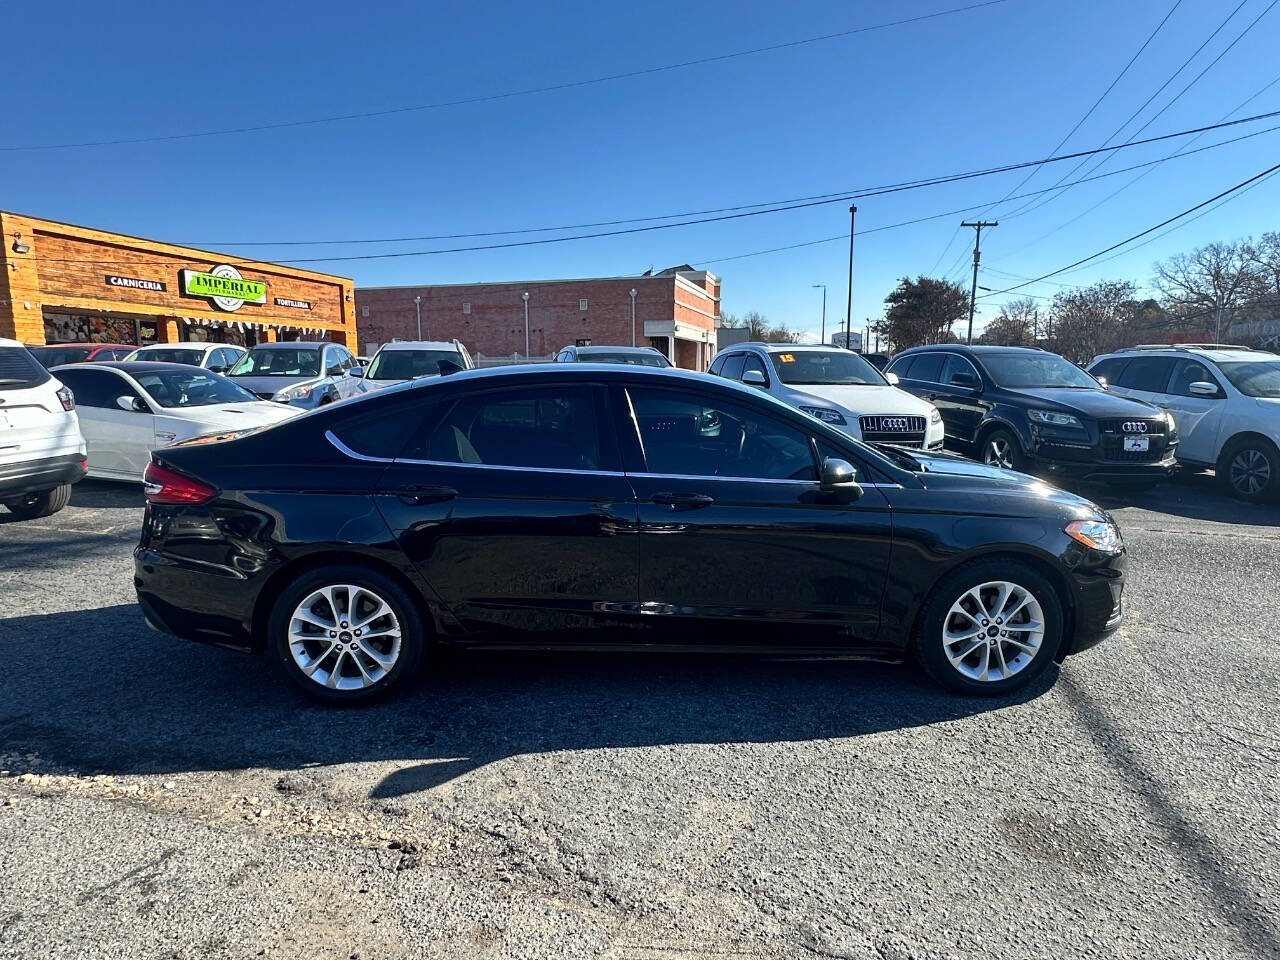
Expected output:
{"points": [[162, 799]]}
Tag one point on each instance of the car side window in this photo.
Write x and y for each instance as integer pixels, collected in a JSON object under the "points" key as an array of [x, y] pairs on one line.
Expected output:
{"points": [[564, 356], [753, 362], [685, 434], [953, 364], [716, 365], [332, 363], [1188, 372], [1149, 374], [733, 366], [1109, 369], [96, 388], [926, 367], [549, 428], [382, 433]]}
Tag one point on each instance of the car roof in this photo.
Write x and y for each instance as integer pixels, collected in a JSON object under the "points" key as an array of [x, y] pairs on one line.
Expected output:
{"points": [[420, 345], [82, 345], [981, 349], [605, 348], [1228, 353], [135, 367], [187, 345], [296, 345], [783, 347]]}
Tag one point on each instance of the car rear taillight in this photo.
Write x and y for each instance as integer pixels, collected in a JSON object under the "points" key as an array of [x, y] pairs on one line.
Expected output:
{"points": [[67, 398], [162, 485]]}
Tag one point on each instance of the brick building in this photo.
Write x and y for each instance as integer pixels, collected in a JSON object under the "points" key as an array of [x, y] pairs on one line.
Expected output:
{"points": [[60, 282], [676, 311]]}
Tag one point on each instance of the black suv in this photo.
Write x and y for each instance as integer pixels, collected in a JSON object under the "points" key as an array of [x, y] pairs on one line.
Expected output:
{"points": [[1031, 410]]}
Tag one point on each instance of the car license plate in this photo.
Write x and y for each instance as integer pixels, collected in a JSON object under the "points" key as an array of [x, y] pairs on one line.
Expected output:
{"points": [[1135, 444]]}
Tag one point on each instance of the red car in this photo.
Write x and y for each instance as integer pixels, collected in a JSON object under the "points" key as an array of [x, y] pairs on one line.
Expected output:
{"points": [[58, 353]]}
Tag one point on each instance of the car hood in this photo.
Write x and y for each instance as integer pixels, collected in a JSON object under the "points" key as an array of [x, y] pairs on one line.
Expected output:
{"points": [[953, 472], [235, 416], [1090, 403], [862, 400], [261, 385]]}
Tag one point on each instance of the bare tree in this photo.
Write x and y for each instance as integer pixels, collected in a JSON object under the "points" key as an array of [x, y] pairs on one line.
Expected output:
{"points": [[1090, 320], [1016, 326], [1213, 280]]}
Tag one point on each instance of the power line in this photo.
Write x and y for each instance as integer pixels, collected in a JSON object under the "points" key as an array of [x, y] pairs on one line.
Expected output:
{"points": [[1027, 208], [782, 206], [1257, 177], [506, 95]]}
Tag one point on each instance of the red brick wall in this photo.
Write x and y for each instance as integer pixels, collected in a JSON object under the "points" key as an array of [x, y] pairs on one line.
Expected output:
{"points": [[495, 325]]}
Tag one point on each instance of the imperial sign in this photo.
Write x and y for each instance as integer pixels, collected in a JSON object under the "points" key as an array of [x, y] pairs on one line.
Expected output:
{"points": [[224, 287]]}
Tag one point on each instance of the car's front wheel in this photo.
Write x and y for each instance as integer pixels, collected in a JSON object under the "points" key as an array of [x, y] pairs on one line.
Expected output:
{"points": [[1000, 449], [42, 504], [344, 634], [990, 627], [1250, 470]]}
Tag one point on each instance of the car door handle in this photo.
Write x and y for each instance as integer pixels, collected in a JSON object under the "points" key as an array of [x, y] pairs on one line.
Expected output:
{"points": [[688, 501], [425, 493]]}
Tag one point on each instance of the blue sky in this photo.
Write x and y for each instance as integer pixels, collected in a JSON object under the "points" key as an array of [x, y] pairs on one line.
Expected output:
{"points": [[991, 86]]}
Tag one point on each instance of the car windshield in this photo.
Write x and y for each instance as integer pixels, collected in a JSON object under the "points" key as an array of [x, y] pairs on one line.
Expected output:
{"points": [[1254, 378], [636, 359], [825, 367], [408, 364], [1020, 371], [194, 388], [53, 356], [186, 355], [278, 362]]}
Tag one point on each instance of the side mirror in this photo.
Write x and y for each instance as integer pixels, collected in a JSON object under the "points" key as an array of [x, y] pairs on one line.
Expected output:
{"points": [[892, 378], [218, 368], [132, 404], [840, 477], [1102, 381], [754, 378], [356, 371], [965, 380], [1202, 388]]}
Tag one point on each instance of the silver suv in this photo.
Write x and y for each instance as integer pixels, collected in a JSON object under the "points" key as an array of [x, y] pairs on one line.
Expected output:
{"points": [[838, 387], [1224, 399]]}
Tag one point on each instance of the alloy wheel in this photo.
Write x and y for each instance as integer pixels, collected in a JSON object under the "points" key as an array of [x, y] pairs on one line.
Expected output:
{"points": [[999, 453], [344, 637], [1249, 471], [993, 631]]}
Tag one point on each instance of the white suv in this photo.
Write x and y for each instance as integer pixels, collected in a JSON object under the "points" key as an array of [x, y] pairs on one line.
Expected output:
{"points": [[1224, 399], [41, 450]]}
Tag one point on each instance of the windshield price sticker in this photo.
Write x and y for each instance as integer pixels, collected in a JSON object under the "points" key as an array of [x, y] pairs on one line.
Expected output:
{"points": [[787, 357]]}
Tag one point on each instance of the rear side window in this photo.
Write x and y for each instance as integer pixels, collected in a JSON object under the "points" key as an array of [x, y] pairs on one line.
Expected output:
{"points": [[1149, 374], [18, 369], [926, 367], [382, 432], [1109, 369], [549, 428], [97, 388]]}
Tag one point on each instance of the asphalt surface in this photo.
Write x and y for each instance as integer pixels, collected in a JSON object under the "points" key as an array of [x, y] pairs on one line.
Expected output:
{"points": [[161, 799]]}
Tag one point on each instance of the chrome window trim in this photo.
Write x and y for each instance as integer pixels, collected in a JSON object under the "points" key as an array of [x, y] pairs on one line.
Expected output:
{"points": [[347, 451], [507, 466]]}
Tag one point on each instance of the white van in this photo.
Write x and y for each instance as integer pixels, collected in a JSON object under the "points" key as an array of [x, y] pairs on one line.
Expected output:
{"points": [[42, 452]]}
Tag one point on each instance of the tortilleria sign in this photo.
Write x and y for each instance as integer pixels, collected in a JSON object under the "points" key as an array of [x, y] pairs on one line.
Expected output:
{"points": [[224, 286], [295, 304]]}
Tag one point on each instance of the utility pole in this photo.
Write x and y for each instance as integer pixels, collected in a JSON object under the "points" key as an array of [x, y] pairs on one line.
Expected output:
{"points": [[417, 306], [823, 338], [977, 255], [848, 306]]}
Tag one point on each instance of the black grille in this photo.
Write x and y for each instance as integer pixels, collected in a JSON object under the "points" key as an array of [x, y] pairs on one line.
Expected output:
{"points": [[1113, 433]]}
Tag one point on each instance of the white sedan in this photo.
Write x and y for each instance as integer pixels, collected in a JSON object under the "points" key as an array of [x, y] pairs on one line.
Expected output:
{"points": [[129, 408]]}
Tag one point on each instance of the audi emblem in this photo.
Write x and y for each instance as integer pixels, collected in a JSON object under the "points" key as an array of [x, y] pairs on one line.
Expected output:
{"points": [[1133, 426], [893, 423]]}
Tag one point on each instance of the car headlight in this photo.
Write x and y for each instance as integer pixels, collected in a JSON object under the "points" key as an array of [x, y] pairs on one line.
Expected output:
{"points": [[1167, 417], [300, 392], [825, 414], [935, 417], [1101, 535], [1054, 419]]}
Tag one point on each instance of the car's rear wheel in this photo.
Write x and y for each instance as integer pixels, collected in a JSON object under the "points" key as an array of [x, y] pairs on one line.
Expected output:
{"points": [[990, 627], [43, 504], [1250, 470], [345, 634], [1000, 449]]}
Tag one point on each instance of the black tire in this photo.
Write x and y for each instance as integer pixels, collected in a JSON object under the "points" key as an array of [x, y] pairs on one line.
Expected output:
{"points": [[43, 504], [412, 643], [1002, 439], [927, 641], [1249, 470]]}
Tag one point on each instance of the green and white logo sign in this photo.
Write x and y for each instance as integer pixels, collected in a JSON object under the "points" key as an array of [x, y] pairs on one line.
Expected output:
{"points": [[224, 286]]}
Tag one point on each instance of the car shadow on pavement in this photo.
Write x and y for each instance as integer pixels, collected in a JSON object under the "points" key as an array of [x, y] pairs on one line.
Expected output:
{"points": [[100, 693], [1193, 495], [98, 494]]}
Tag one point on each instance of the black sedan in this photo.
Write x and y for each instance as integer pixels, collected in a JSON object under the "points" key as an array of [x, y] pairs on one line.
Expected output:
{"points": [[598, 506], [1027, 409]]}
